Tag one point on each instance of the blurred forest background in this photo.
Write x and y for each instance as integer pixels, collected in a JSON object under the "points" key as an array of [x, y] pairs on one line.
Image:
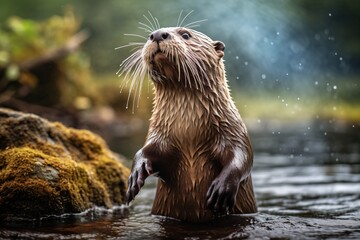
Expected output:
{"points": [[286, 61]]}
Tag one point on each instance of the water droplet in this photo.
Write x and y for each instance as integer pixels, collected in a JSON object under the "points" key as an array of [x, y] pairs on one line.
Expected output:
{"points": [[334, 87], [246, 63], [329, 14], [316, 83], [282, 100], [237, 57], [277, 33], [287, 74], [335, 53], [325, 133], [308, 128], [263, 76], [271, 43], [298, 99], [340, 58], [259, 120], [334, 108]]}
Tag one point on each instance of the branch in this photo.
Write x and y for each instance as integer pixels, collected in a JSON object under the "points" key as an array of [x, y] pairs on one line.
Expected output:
{"points": [[70, 46]]}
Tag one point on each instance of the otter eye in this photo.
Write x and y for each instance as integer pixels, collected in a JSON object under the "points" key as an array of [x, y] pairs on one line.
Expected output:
{"points": [[185, 36]]}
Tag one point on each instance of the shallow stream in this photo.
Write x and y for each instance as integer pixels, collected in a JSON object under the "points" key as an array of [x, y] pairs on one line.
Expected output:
{"points": [[307, 184]]}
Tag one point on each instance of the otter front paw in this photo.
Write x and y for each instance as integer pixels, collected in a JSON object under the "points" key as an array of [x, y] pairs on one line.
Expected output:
{"points": [[221, 195], [140, 171]]}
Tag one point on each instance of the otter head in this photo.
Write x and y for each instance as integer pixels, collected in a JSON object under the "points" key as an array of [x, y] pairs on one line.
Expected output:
{"points": [[182, 57], [174, 57]]}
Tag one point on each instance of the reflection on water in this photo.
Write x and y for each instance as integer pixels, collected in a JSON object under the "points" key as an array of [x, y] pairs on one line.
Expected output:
{"points": [[307, 185]]}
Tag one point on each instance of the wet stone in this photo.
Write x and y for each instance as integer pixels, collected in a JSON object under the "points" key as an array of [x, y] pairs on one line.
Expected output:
{"points": [[49, 169]]}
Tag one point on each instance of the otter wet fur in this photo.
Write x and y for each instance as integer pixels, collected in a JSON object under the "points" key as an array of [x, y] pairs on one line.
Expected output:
{"points": [[197, 143]]}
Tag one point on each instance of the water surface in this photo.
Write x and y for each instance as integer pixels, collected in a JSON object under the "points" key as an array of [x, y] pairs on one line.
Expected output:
{"points": [[307, 184]]}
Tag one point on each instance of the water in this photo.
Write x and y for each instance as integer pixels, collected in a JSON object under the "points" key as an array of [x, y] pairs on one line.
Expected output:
{"points": [[306, 179]]}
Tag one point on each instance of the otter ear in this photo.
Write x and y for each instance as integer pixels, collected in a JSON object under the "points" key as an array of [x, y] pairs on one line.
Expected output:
{"points": [[219, 48]]}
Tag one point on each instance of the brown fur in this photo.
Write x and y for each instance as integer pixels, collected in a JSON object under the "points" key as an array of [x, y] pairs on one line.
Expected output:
{"points": [[197, 142]]}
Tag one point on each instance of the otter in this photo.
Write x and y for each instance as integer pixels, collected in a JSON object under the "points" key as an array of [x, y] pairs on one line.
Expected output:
{"points": [[197, 143]]}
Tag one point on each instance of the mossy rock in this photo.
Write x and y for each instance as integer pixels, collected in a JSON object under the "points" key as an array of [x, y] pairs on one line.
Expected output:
{"points": [[49, 169]]}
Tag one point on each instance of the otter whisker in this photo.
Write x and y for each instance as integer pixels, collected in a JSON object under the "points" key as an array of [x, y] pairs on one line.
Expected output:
{"points": [[192, 68], [142, 77], [152, 26], [187, 75], [133, 76], [201, 68], [149, 82], [185, 17], [129, 62], [176, 60], [127, 65], [179, 69], [136, 35], [158, 24], [154, 20], [178, 21], [147, 27], [130, 45], [192, 24], [136, 48], [138, 74]]}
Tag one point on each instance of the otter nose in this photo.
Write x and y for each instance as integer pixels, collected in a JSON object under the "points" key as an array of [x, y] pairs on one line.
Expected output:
{"points": [[159, 35]]}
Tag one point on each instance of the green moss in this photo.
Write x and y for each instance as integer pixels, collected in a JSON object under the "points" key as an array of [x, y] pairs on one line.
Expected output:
{"points": [[50, 169]]}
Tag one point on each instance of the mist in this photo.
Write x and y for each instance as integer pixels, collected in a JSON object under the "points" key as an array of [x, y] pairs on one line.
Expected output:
{"points": [[268, 44]]}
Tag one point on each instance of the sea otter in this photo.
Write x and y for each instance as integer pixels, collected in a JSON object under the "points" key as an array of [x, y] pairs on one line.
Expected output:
{"points": [[197, 143]]}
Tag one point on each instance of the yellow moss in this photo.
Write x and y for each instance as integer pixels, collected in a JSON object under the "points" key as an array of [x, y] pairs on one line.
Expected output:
{"points": [[64, 169]]}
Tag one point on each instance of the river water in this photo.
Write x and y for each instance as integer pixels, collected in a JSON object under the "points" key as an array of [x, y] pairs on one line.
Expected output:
{"points": [[307, 184]]}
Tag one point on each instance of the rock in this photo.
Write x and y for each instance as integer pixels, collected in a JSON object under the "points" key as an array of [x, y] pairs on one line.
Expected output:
{"points": [[49, 169]]}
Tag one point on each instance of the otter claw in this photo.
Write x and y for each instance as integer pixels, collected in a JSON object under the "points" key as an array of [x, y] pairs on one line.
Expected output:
{"points": [[221, 196], [136, 180]]}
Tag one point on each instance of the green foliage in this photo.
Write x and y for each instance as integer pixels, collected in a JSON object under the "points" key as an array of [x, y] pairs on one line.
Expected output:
{"points": [[22, 39], [39, 56]]}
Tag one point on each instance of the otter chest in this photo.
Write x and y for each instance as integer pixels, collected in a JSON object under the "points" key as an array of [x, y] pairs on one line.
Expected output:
{"points": [[189, 121]]}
